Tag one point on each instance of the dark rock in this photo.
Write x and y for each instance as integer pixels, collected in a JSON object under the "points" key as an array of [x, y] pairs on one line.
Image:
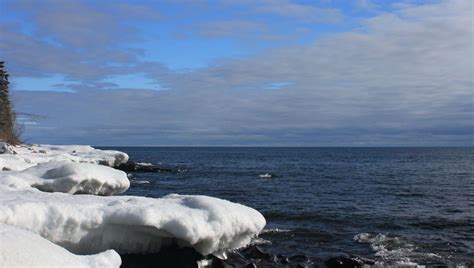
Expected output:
{"points": [[283, 259], [249, 257], [216, 263], [342, 262], [257, 253], [140, 167], [298, 258], [167, 257], [235, 259], [254, 255], [5, 169], [363, 260]]}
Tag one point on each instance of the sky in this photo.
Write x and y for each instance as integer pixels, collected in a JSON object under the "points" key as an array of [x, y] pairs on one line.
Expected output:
{"points": [[242, 72]]}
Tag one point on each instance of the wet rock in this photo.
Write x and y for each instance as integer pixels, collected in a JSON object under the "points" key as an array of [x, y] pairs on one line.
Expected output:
{"points": [[254, 256], [298, 258], [283, 259], [249, 257], [167, 257], [342, 262], [258, 254], [215, 263], [363, 260], [234, 259], [145, 167]]}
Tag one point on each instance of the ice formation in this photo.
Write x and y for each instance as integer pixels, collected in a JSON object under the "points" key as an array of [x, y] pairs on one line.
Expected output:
{"points": [[21, 248], [23, 156], [66, 177], [38, 204], [86, 224]]}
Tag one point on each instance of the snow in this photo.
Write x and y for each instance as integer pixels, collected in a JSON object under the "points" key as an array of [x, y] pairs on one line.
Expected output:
{"points": [[24, 156], [51, 198], [87, 224], [72, 178], [21, 248]]}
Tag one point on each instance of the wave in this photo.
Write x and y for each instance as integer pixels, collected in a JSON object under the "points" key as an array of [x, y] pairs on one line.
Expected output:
{"points": [[275, 230], [144, 164], [139, 181], [395, 250], [260, 241], [266, 176]]}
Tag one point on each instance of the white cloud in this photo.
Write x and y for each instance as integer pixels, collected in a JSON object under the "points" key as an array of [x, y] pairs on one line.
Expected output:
{"points": [[403, 78]]}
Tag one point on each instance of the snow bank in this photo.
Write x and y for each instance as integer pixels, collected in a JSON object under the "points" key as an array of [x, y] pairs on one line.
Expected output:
{"points": [[20, 248], [87, 224], [36, 187], [72, 178], [23, 156]]}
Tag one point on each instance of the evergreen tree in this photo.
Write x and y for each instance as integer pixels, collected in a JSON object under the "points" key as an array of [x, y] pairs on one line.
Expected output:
{"points": [[7, 124]]}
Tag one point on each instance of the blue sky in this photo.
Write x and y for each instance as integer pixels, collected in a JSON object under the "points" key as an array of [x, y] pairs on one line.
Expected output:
{"points": [[242, 73]]}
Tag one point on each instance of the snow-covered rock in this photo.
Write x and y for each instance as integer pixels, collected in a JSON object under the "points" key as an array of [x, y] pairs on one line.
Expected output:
{"points": [[24, 156], [21, 248], [66, 177], [6, 148], [87, 154], [13, 162], [86, 224], [36, 187]]}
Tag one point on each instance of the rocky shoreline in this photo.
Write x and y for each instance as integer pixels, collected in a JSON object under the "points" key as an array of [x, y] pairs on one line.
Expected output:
{"points": [[64, 198]]}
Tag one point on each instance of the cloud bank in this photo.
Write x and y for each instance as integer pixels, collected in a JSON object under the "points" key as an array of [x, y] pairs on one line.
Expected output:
{"points": [[403, 77]]}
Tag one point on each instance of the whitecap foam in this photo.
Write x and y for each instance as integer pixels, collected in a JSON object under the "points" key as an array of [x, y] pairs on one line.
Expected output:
{"points": [[275, 230], [260, 241], [144, 164], [393, 250], [139, 182]]}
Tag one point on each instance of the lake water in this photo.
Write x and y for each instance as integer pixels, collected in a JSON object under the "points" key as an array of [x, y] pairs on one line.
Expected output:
{"points": [[392, 205]]}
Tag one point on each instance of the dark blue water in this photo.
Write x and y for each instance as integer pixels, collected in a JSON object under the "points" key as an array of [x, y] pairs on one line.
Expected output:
{"points": [[392, 205]]}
